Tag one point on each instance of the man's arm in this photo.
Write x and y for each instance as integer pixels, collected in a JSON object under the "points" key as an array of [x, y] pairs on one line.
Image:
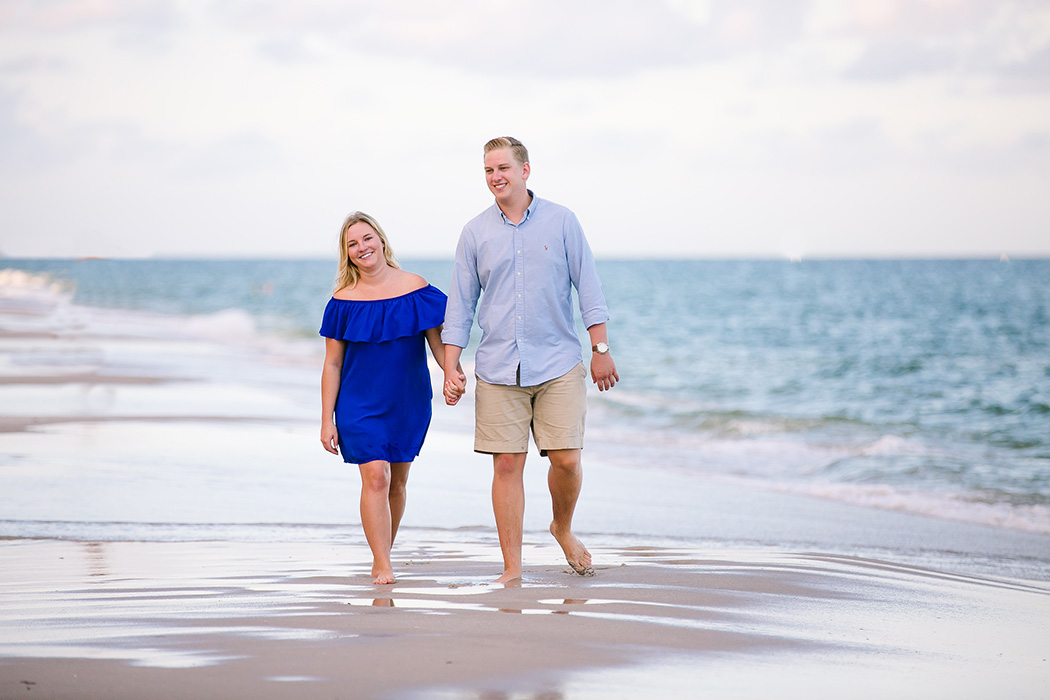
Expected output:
{"points": [[583, 274], [464, 292], [455, 382], [603, 369]]}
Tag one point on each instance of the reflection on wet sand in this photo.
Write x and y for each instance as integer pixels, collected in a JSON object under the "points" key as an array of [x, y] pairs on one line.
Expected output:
{"points": [[290, 610], [96, 558]]}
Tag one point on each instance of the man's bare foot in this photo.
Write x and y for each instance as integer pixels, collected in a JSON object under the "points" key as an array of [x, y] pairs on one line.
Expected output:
{"points": [[575, 553], [509, 576]]}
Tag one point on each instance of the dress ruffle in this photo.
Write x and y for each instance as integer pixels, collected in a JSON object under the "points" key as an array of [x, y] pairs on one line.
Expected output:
{"points": [[380, 320]]}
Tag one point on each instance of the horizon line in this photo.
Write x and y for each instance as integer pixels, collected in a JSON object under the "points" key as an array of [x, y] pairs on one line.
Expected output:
{"points": [[671, 257]]}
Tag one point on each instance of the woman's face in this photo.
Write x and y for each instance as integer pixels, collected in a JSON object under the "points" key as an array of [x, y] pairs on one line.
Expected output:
{"points": [[364, 247]]}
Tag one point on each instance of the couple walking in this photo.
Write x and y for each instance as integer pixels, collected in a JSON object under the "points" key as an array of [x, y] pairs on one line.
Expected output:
{"points": [[526, 254]]}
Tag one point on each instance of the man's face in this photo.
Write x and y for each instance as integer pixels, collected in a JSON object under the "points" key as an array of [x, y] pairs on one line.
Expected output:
{"points": [[504, 175]]}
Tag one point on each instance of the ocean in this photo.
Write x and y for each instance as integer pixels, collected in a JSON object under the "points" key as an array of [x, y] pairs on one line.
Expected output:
{"points": [[920, 386]]}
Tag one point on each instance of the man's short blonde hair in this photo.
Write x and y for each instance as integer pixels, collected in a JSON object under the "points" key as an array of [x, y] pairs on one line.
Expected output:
{"points": [[521, 154]]}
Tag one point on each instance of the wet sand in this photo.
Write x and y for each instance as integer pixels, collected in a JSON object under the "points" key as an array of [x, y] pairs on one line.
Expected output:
{"points": [[273, 620]]}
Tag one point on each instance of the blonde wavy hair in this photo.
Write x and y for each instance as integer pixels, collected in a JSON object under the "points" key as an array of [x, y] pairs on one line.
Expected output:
{"points": [[348, 274]]}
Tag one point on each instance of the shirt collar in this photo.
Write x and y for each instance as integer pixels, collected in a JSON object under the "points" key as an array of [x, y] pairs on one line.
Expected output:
{"points": [[528, 211]]}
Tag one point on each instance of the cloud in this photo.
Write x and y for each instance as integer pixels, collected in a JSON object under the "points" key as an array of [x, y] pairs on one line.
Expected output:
{"points": [[229, 156], [895, 59], [287, 50], [1005, 44], [245, 121], [547, 38], [1029, 74], [59, 16]]}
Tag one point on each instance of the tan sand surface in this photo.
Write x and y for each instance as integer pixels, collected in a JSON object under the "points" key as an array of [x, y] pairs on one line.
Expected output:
{"points": [[263, 620]]}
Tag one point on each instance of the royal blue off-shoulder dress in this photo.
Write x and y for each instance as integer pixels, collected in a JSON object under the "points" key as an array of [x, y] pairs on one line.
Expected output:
{"points": [[383, 409]]}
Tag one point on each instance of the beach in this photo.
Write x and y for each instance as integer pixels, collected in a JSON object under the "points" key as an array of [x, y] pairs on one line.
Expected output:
{"points": [[171, 528], [277, 620]]}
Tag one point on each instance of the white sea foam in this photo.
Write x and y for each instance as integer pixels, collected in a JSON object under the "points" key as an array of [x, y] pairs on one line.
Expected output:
{"points": [[228, 325], [894, 445], [27, 294], [959, 507], [19, 283], [781, 463]]}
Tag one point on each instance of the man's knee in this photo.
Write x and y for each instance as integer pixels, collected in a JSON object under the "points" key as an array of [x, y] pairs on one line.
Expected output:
{"points": [[508, 466], [565, 460]]}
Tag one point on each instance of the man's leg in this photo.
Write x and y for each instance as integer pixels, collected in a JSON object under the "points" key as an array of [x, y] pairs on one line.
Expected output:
{"points": [[508, 505], [565, 479]]}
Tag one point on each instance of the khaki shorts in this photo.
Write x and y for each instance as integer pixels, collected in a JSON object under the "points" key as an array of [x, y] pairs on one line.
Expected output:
{"points": [[554, 410]]}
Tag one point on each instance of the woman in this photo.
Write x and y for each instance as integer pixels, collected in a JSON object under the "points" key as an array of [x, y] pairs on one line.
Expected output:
{"points": [[375, 385]]}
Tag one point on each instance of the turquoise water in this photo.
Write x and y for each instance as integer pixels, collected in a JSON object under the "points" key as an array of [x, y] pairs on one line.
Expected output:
{"points": [[914, 385]]}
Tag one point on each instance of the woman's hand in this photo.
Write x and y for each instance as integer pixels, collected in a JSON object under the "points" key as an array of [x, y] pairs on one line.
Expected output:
{"points": [[455, 385], [330, 438]]}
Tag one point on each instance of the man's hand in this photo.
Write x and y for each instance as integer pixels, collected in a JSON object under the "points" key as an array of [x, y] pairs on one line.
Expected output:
{"points": [[455, 386], [603, 371]]}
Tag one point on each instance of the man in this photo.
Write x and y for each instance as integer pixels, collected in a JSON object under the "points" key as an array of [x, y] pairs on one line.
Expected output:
{"points": [[525, 254]]}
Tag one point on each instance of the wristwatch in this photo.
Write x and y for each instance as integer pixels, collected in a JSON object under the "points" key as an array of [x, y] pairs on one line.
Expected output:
{"points": [[600, 348]]}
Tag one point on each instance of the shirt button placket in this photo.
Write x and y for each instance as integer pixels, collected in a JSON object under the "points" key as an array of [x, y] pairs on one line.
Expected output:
{"points": [[519, 298]]}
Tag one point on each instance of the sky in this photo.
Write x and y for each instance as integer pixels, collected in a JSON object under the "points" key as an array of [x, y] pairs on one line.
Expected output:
{"points": [[673, 128]]}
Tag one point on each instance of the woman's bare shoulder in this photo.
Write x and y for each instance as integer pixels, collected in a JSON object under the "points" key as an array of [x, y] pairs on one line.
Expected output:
{"points": [[411, 281], [398, 283], [345, 293]]}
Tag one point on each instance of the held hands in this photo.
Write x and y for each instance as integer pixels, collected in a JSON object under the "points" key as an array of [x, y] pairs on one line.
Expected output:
{"points": [[455, 386], [603, 371]]}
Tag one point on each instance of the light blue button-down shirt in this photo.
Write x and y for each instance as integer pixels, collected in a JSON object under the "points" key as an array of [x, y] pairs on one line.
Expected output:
{"points": [[523, 275]]}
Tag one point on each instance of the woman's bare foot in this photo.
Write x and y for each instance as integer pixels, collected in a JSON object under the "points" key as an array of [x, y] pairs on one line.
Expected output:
{"points": [[575, 553], [382, 575]]}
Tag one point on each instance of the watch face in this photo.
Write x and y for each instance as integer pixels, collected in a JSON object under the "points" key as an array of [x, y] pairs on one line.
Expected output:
{"points": [[602, 348]]}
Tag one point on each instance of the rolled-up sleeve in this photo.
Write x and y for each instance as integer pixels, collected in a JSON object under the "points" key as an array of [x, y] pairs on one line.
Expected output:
{"points": [[584, 274]]}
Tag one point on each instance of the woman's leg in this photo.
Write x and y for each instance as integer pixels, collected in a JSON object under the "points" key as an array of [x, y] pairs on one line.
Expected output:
{"points": [[398, 495], [375, 517]]}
